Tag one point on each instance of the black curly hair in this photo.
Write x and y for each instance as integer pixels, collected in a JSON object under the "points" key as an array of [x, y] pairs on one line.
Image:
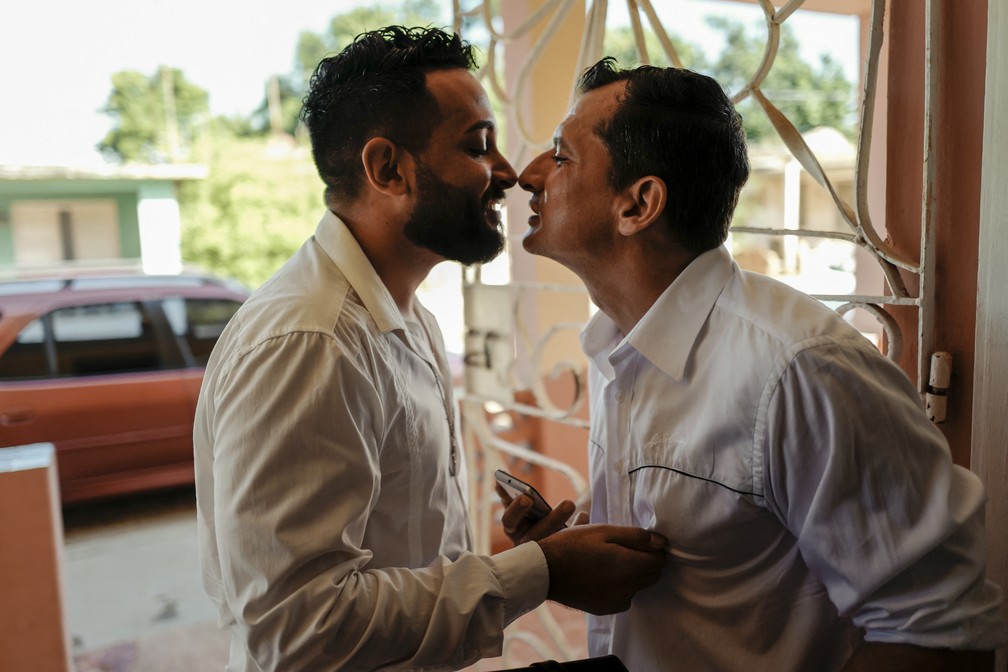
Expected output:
{"points": [[680, 126], [376, 86]]}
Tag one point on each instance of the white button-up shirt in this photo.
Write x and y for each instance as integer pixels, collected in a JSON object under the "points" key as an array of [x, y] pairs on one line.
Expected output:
{"points": [[333, 531], [807, 499]]}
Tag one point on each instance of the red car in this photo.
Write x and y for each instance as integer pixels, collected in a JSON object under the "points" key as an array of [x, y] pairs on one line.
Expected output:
{"points": [[107, 368]]}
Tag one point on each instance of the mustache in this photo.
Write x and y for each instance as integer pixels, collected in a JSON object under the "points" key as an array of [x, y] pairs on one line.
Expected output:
{"points": [[495, 193]]}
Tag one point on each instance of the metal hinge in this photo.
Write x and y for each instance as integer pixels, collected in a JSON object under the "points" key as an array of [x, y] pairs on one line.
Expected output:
{"points": [[936, 397]]}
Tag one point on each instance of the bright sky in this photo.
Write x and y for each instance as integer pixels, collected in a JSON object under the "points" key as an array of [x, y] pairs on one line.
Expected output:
{"points": [[57, 58]]}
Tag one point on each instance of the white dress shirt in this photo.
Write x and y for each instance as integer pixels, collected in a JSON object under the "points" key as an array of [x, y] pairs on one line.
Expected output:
{"points": [[333, 528], [808, 500]]}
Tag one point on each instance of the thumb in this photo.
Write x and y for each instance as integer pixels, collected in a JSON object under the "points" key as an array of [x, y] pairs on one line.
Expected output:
{"points": [[580, 519]]}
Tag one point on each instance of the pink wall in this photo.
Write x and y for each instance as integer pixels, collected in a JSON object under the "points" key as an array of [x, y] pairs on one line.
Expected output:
{"points": [[962, 49], [33, 633]]}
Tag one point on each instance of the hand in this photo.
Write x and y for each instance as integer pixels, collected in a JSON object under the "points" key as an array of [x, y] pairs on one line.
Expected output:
{"points": [[599, 568], [520, 525]]}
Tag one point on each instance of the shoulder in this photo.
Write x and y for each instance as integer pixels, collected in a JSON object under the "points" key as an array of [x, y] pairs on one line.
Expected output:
{"points": [[779, 312], [306, 303]]}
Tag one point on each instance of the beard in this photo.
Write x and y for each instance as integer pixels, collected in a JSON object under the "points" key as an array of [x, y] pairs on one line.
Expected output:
{"points": [[453, 223]]}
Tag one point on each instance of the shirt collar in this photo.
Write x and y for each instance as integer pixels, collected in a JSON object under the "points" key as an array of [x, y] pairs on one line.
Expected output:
{"points": [[665, 335], [342, 248]]}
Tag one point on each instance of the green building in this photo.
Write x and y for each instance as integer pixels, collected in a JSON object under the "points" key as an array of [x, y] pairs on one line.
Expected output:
{"points": [[57, 215]]}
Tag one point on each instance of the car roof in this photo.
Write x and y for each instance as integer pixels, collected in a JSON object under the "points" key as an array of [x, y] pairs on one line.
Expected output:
{"points": [[36, 293]]}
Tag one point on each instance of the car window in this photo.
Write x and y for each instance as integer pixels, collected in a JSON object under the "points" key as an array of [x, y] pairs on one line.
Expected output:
{"points": [[105, 338], [199, 322], [26, 357]]}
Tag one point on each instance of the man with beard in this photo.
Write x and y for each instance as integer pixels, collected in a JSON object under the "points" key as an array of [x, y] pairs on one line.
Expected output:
{"points": [[329, 481]]}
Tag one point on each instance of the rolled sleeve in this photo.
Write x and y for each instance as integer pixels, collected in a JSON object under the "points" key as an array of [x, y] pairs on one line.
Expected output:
{"points": [[524, 577]]}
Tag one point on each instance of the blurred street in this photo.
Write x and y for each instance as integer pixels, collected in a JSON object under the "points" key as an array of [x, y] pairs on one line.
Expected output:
{"points": [[133, 595]]}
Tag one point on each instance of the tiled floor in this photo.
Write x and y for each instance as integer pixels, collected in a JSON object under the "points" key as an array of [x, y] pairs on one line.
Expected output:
{"points": [[134, 601]]}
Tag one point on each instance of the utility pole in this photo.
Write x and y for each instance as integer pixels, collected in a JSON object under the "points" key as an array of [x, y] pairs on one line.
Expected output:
{"points": [[273, 105], [171, 115]]}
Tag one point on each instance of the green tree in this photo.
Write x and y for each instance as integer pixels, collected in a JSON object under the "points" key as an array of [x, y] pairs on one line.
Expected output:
{"points": [[343, 28], [262, 197], [809, 96], [144, 129], [260, 201], [621, 45]]}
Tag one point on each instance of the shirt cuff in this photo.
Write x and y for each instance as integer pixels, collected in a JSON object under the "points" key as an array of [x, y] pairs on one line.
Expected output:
{"points": [[524, 578]]}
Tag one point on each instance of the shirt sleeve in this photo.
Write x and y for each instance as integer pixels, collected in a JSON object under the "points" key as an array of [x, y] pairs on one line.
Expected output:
{"points": [[866, 483], [296, 474]]}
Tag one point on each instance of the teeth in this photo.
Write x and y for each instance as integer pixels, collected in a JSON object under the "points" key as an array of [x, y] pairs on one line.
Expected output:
{"points": [[496, 206]]}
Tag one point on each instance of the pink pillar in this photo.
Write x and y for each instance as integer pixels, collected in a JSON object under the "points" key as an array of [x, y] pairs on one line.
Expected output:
{"points": [[33, 625]]}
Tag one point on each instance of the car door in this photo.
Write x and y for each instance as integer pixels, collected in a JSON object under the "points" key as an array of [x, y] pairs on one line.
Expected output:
{"points": [[114, 404], [197, 323]]}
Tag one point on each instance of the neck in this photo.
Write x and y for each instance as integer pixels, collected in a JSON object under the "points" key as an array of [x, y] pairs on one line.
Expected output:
{"points": [[402, 268], [627, 292], [400, 265]]}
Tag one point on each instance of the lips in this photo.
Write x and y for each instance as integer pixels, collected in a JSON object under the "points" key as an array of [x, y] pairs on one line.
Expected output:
{"points": [[533, 219]]}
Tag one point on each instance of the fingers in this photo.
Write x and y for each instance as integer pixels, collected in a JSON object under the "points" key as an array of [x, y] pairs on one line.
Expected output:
{"points": [[505, 498], [580, 519], [554, 521], [635, 538], [514, 518], [521, 524], [599, 568]]}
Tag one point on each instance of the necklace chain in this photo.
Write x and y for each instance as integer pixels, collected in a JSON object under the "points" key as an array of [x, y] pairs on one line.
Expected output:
{"points": [[450, 417], [445, 403]]}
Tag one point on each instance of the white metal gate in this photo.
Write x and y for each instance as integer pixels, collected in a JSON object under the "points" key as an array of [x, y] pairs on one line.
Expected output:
{"points": [[503, 355]]}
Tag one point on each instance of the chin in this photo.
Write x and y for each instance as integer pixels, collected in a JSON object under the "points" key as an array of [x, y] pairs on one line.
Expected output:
{"points": [[528, 242], [531, 243]]}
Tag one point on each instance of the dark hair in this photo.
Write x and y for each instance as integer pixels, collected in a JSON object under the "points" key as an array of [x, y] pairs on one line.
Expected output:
{"points": [[680, 126], [376, 86]]}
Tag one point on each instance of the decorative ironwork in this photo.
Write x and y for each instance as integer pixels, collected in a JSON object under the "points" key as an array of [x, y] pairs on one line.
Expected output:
{"points": [[497, 344]]}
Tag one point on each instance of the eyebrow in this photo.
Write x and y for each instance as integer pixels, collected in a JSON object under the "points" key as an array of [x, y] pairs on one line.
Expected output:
{"points": [[480, 125]]}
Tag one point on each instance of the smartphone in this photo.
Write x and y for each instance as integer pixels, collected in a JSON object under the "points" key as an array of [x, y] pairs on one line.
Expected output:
{"points": [[515, 487]]}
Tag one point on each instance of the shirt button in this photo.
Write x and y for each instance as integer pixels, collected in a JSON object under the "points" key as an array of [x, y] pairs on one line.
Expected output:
{"points": [[619, 395]]}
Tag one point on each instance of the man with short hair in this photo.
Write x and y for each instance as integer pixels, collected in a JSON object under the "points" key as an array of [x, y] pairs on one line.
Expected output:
{"points": [[814, 515], [330, 485]]}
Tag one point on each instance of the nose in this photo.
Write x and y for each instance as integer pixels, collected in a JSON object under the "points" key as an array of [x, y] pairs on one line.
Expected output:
{"points": [[531, 179], [504, 174]]}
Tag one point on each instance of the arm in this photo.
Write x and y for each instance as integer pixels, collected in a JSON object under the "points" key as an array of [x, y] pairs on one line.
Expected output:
{"points": [[296, 474], [595, 568], [866, 484]]}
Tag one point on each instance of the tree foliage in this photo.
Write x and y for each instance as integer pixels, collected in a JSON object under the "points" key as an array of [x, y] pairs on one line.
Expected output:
{"points": [[261, 200], [142, 130], [809, 96], [343, 28], [621, 45]]}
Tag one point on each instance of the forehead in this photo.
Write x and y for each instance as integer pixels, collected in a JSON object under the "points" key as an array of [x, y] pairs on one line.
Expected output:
{"points": [[461, 99], [590, 111]]}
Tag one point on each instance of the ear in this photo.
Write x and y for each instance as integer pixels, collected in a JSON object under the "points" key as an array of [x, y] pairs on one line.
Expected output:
{"points": [[641, 205], [387, 166]]}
